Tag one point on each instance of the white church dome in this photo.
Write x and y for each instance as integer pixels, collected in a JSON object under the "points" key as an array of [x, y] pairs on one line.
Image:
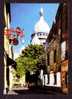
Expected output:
{"points": [[41, 25]]}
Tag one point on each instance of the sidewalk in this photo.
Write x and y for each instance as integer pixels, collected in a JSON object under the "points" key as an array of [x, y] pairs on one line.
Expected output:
{"points": [[20, 88], [12, 92]]}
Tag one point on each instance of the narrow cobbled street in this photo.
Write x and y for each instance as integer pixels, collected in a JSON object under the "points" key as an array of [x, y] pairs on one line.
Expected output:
{"points": [[37, 90]]}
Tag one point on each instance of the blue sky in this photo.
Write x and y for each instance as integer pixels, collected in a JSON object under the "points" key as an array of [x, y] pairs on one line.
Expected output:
{"points": [[26, 15]]}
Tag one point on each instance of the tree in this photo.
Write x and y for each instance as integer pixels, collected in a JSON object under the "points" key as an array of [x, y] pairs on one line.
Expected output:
{"points": [[30, 59], [25, 64], [33, 51]]}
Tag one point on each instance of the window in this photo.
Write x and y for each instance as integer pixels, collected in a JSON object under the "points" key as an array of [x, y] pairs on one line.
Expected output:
{"points": [[51, 57], [55, 55], [63, 50], [40, 34], [48, 58], [43, 33], [46, 34]]}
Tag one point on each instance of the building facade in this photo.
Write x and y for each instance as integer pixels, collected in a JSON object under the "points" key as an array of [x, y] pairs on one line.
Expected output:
{"points": [[9, 63], [57, 48]]}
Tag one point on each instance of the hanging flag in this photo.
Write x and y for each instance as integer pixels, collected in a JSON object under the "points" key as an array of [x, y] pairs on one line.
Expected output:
{"points": [[7, 32], [15, 41], [19, 31], [13, 35]]}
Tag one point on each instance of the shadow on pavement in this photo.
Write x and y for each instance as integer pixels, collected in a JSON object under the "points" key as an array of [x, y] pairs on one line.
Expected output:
{"points": [[40, 90]]}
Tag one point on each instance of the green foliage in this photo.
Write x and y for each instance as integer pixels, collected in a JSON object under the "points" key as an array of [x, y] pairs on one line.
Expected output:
{"points": [[29, 59], [33, 51], [20, 67]]}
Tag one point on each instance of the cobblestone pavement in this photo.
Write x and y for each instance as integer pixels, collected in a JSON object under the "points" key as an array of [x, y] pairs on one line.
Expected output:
{"points": [[36, 90]]}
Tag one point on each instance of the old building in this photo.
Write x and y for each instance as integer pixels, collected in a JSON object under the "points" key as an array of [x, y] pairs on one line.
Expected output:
{"points": [[57, 48], [41, 30], [8, 50]]}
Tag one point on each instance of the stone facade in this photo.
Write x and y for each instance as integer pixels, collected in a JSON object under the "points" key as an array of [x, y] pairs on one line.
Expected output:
{"points": [[57, 49], [8, 51]]}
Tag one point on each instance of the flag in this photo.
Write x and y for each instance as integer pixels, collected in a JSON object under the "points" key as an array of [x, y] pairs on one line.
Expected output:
{"points": [[7, 32], [19, 32], [10, 32]]}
